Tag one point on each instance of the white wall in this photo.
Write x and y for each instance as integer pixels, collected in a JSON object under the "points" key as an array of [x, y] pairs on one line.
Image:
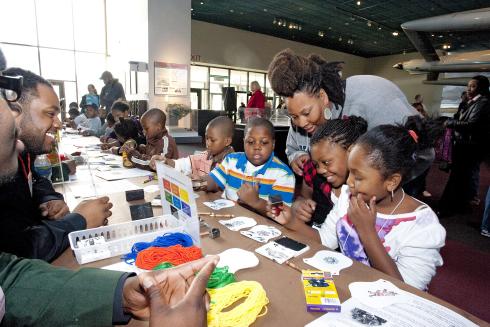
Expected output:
{"points": [[233, 47], [169, 40], [227, 46]]}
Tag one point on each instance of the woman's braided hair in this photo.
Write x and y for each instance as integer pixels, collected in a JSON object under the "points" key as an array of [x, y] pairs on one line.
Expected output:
{"points": [[290, 73]]}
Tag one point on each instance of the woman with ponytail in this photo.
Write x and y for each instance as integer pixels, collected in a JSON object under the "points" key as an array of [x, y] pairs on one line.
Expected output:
{"points": [[315, 92]]}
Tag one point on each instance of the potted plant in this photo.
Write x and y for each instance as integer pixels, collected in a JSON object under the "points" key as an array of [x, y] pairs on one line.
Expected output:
{"points": [[176, 111]]}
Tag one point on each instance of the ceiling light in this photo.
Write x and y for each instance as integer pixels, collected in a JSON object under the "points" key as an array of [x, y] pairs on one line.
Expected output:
{"points": [[192, 9], [358, 3], [202, 3], [231, 10], [379, 28], [321, 34], [265, 9], [274, 21], [340, 39], [395, 33], [369, 23], [462, 45], [446, 46]]}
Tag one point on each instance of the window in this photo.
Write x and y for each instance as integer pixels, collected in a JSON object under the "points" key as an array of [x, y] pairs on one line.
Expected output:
{"points": [[21, 56], [57, 64], [238, 80], [89, 25], [18, 28], [218, 78], [55, 23]]}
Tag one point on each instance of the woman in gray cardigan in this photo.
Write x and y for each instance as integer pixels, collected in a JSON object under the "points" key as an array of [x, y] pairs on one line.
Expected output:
{"points": [[315, 92]]}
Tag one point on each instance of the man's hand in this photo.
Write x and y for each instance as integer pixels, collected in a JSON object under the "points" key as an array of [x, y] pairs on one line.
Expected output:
{"points": [[168, 293], [54, 209], [95, 211], [297, 164]]}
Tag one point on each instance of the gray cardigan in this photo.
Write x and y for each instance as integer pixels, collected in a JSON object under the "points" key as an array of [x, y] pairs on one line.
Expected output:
{"points": [[377, 100]]}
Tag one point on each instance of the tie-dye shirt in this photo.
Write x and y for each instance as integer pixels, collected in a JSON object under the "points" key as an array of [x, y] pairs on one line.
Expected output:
{"points": [[412, 240]]}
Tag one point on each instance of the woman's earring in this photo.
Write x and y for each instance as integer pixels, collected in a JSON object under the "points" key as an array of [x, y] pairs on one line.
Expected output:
{"points": [[327, 113], [392, 195]]}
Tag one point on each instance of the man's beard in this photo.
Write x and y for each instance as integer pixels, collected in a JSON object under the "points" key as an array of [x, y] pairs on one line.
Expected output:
{"points": [[29, 134], [8, 177]]}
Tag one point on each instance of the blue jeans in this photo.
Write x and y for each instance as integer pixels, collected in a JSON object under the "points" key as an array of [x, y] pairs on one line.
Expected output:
{"points": [[485, 224]]}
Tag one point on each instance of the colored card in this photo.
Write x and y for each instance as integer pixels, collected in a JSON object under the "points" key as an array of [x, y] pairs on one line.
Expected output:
{"points": [[184, 195], [175, 189], [168, 197], [166, 184], [176, 202], [186, 209]]}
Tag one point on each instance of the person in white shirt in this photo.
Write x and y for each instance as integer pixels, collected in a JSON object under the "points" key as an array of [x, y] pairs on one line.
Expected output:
{"points": [[374, 221], [91, 125]]}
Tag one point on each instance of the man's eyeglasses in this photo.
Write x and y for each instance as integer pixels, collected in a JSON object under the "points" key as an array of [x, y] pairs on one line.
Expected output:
{"points": [[10, 87]]}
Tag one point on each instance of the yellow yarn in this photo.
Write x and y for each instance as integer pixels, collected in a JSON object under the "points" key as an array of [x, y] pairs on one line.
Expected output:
{"points": [[242, 315]]}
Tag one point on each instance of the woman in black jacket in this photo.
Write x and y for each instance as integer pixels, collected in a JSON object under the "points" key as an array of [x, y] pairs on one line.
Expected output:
{"points": [[471, 136]]}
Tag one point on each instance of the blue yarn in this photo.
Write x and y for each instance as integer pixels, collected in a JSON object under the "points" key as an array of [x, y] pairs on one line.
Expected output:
{"points": [[166, 240]]}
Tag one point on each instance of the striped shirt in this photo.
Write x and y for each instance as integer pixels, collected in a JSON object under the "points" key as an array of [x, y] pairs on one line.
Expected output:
{"points": [[272, 178]]}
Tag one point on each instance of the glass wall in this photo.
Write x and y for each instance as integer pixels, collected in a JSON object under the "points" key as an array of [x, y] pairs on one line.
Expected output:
{"points": [[66, 41], [207, 84]]}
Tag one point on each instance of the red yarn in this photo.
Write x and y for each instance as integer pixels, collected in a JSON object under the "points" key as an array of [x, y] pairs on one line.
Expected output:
{"points": [[176, 255]]}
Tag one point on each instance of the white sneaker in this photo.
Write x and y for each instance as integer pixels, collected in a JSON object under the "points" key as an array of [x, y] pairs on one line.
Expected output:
{"points": [[485, 233]]}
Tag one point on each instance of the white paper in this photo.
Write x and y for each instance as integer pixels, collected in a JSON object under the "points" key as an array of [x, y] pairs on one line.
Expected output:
{"points": [[378, 294], [262, 233], [101, 188], [236, 259], [276, 252], [235, 224], [122, 174], [219, 204], [329, 261], [418, 312]]}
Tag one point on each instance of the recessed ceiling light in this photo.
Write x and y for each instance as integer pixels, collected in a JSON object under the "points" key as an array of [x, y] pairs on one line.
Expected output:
{"points": [[462, 45], [265, 9], [231, 10], [347, 23], [358, 3], [440, 36], [369, 23], [192, 9], [446, 46], [202, 3], [395, 33], [379, 28], [340, 39]]}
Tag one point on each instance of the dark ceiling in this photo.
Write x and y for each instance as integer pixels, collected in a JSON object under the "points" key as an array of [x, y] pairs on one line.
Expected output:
{"points": [[364, 30]]}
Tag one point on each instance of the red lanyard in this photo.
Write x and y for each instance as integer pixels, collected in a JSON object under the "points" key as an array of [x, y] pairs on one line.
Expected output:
{"points": [[24, 169]]}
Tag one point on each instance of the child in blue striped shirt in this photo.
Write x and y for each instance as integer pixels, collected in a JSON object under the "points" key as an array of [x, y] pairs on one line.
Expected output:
{"points": [[252, 176]]}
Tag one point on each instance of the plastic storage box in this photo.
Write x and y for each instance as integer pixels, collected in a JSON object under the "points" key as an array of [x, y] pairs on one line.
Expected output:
{"points": [[108, 241]]}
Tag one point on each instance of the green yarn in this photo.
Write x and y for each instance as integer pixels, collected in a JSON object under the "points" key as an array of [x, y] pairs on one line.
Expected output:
{"points": [[163, 265], [219, 278]]}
